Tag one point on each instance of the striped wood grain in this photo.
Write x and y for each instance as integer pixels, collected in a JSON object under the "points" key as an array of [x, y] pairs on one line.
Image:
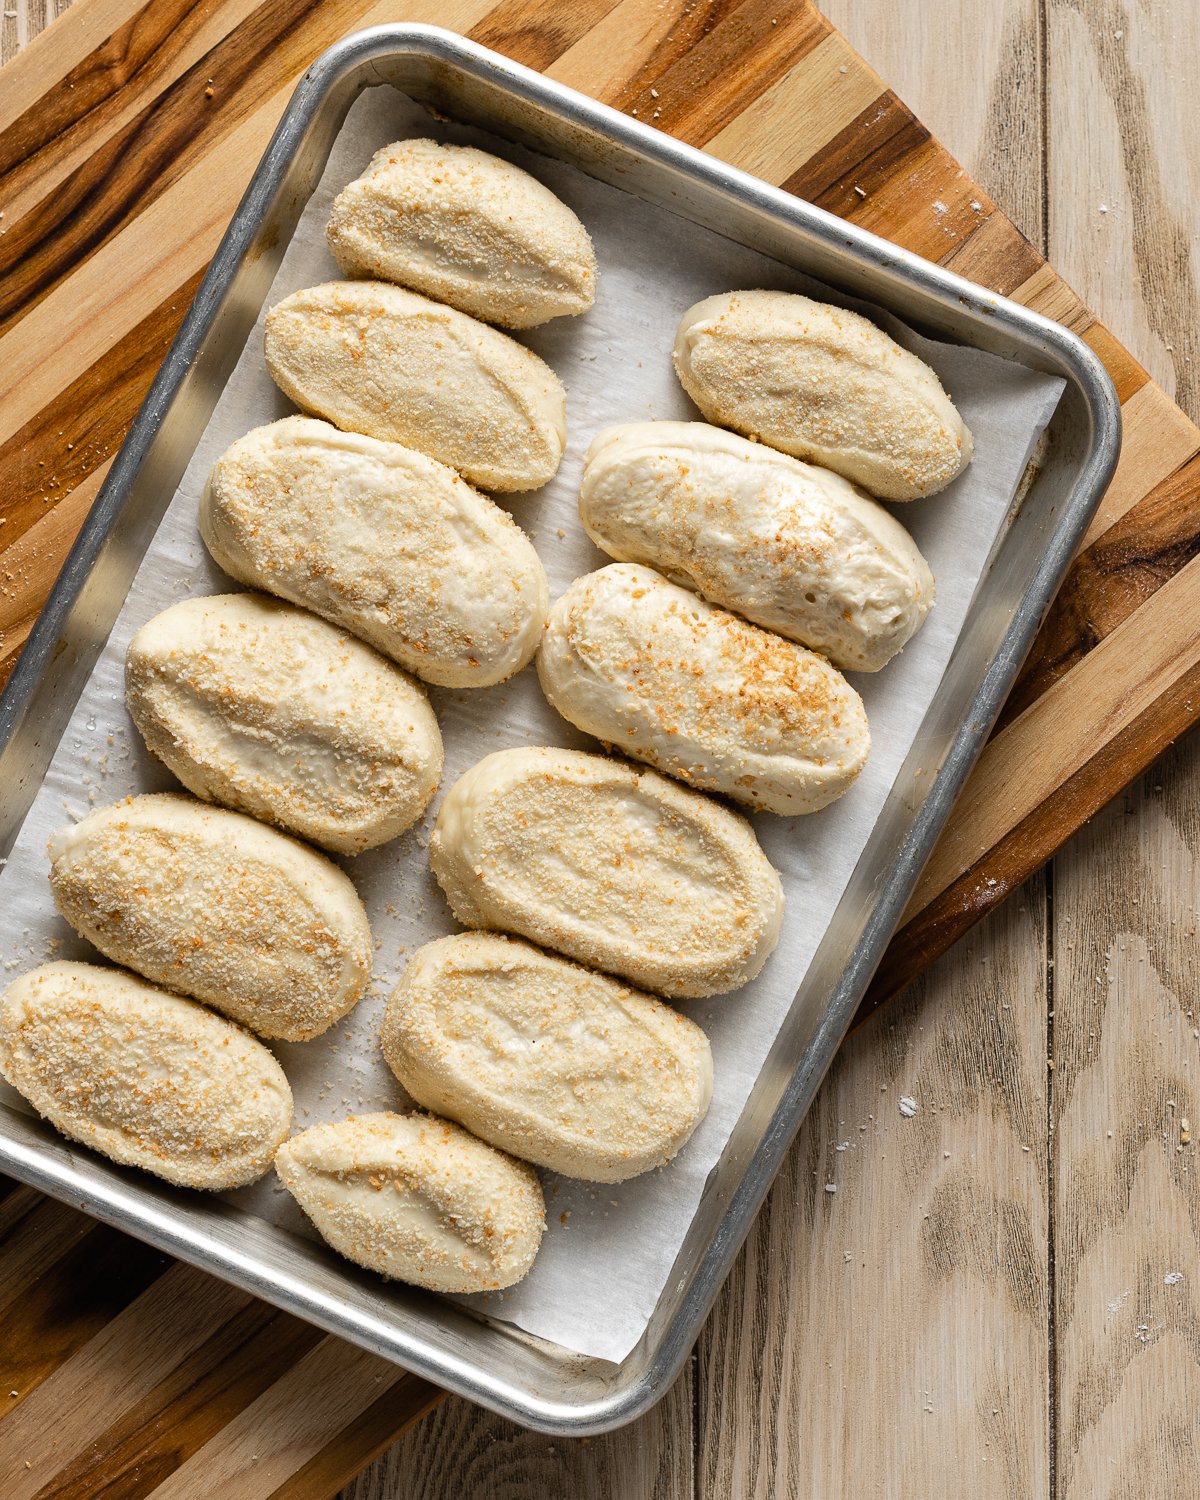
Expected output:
{"points": [[1126, 1188], [1126, 1023], [122, 1370]]}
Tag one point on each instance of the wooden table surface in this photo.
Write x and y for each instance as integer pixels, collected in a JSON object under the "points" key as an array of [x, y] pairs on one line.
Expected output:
{"points": [[1000, 1298]]}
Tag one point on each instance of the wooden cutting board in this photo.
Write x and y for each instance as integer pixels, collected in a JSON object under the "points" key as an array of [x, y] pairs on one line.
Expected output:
{"points": [[127, 134]]}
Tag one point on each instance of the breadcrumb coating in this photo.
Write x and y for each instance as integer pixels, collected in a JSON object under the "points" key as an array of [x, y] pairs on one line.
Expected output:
{"points": [[668, 678], [561, 1066], [216, 906], [822, 384], [147, 1078], [418, 1199], [468, 229], [611, 865], [382, 540], [373, 358], [267, 709]]}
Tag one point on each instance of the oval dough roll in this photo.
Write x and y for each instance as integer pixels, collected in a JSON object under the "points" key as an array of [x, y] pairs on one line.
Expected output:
{"points": [[611, 865], [382, 540], [670, 679], [822, 384], [793, 547], [219, 907], [466, 228], [417, 1198], [564, 1067], [146, 1078], [376, 359], [267, 709]]}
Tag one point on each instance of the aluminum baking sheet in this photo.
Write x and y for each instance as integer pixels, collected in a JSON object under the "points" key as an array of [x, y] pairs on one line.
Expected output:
{"points": [[609, 1253]]}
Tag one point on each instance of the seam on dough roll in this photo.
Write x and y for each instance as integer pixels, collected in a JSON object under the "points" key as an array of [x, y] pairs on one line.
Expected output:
{"points": [[467, 228], [611, 865], [373, 358], [417, 1198], [793, 547], [559, 1065], [694, 691], [823, 384], [382, 540]]}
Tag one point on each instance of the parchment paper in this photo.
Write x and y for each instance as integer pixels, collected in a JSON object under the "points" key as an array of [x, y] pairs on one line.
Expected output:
{"points": [[607, 1251]]}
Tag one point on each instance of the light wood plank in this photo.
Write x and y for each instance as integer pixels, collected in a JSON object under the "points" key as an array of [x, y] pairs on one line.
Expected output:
{"points": [[286, 1426], [30, 565], [1157, 439], [99, 19], [889, 1338], [629, 35], [88, 137], [86, 316], [1021, 767], [1125, 185], [1127, 1020], [1127, 1189], [113, 1372], [810, 105]]}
